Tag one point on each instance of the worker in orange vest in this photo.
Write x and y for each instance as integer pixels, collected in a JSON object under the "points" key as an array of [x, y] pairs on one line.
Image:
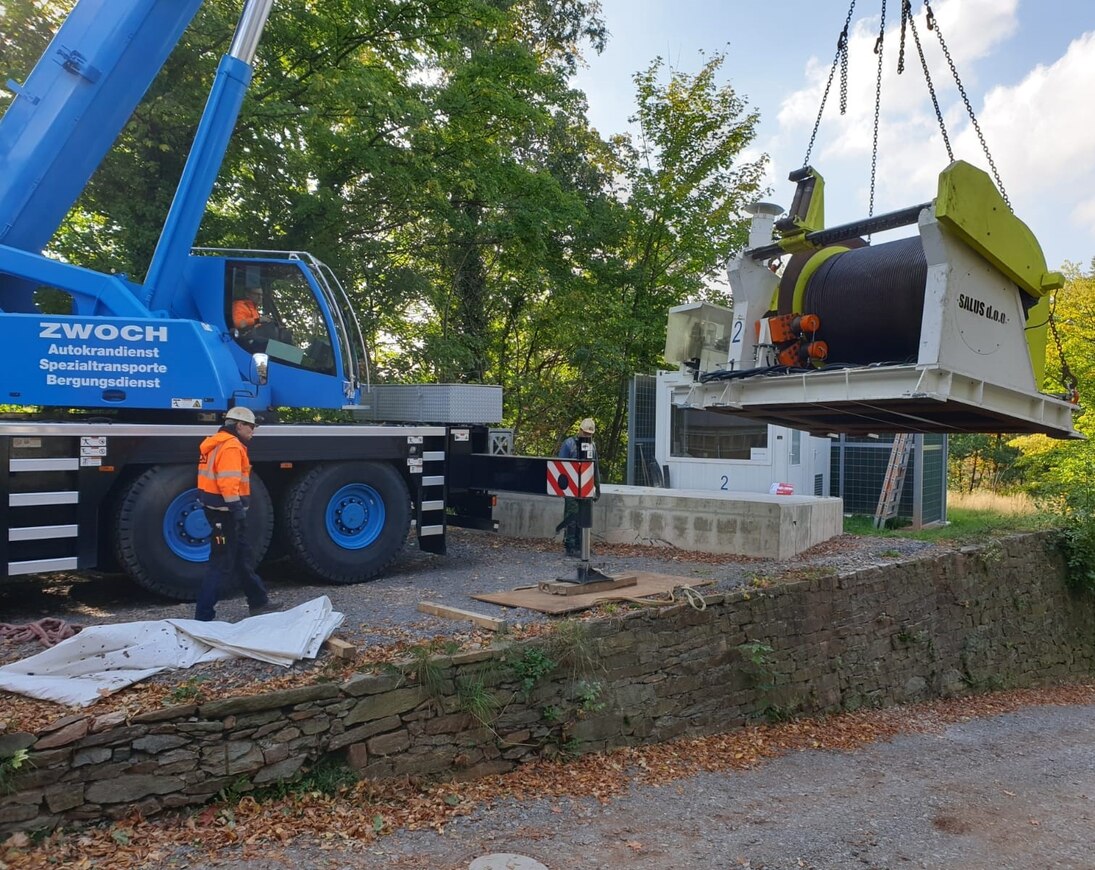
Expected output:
{"points": [[224, 489], [245, 312]]}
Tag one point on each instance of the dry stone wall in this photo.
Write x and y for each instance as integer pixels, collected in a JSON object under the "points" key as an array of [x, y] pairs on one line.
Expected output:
{"points": [[978, 619]]}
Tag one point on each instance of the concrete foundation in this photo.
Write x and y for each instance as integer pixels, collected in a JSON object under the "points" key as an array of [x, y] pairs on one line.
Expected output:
{"points": [[706, 521]]}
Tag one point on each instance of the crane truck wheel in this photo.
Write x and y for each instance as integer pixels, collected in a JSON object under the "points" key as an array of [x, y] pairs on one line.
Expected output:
{"points": [[347, 522], [161, 536]]}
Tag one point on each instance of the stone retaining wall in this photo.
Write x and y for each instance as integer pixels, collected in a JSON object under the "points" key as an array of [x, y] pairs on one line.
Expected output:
{"points": [[978, 619]]}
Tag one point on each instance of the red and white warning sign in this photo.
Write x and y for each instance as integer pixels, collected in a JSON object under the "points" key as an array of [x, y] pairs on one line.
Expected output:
{"points": [[570, 478]]}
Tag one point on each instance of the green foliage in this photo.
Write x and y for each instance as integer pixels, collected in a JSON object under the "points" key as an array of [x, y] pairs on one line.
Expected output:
{"points": [[186, 691], [10, 766], [231, 793], [551, 714], [1058, 473], [981, 461], [1064, 487], [758, 654], [588, 694], [327, 777], [533, 665], [759, 665]]}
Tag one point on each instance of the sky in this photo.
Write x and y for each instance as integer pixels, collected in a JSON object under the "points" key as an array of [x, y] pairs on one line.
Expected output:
{"points": [[1028, 67]]}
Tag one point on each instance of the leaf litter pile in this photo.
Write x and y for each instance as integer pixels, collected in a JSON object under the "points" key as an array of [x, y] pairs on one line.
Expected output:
{"points": [[362, 812]]}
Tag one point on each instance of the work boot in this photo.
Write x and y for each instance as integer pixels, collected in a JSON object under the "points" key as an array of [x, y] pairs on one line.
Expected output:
{"points": [[266, 606]]}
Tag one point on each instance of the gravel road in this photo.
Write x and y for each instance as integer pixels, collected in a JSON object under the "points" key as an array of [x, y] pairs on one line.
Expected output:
{"points": [[1010, 791], [386, 608]]}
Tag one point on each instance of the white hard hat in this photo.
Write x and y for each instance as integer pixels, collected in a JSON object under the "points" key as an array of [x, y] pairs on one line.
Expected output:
{"points": [[587, 425], [243, 415]]}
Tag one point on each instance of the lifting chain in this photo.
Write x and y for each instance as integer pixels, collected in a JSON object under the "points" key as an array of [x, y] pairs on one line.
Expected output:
{"points": [[878, 46], [908, 20], [1068, 380], [933, 24], [908, 24], [841, 59]]}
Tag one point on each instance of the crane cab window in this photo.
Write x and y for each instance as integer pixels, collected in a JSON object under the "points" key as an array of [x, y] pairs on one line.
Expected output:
{"points": [[272, 308]]}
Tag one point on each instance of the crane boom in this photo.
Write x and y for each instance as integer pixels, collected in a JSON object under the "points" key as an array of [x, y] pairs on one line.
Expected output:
{"points": [[67, 114]]}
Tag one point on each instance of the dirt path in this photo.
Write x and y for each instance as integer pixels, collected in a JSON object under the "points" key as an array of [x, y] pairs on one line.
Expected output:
{"points": [[1010, 791]]}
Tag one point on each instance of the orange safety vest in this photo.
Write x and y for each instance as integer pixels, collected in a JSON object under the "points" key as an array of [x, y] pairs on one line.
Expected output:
{"points": [[245, 314], [224, 472]]}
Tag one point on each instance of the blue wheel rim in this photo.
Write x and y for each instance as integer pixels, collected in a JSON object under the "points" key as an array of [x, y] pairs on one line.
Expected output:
{"points": [[355, 516], [185, 528]]}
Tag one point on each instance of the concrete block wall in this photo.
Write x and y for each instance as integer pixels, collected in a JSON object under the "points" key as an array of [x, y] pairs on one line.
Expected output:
{"points": [[983, 618], [706, 521]]}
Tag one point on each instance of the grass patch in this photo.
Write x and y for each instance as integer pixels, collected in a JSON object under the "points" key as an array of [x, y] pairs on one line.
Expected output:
{"points": [[476, 698], [1017, 504], [327, 777], [427, 669], [573, 649], [967, 518]]}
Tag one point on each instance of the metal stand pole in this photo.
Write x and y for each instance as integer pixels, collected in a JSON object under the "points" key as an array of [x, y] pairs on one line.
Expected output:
{"points": [[586, 572]]}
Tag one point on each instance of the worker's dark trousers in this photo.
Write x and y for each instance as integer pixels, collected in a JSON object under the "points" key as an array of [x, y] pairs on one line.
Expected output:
{"points": [[229, 559], [572, 535]]}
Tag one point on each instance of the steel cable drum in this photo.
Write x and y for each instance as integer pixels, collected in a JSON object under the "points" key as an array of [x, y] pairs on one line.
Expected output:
{"points": [[870, 301]]}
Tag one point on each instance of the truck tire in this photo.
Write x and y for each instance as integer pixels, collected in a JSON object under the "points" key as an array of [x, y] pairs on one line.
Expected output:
{"points": [[161, 536], [347, 522]]}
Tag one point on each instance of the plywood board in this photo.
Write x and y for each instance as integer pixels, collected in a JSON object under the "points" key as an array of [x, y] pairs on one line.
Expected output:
{"points": [[646, 585]]}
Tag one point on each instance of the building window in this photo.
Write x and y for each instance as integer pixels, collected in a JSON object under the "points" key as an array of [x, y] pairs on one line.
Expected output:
{"points": [[710, 435], [796, 447]]}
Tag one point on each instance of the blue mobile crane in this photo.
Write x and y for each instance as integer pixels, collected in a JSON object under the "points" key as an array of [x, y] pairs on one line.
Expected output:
{"points": [[119, 391]]}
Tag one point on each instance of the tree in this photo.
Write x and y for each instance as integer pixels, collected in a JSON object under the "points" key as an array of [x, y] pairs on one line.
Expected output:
{"points": [[1055, 469], [434, 154], [981, 461], [686, 186]]}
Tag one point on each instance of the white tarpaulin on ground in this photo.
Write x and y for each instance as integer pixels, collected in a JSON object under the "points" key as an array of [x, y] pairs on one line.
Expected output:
{"points": [[102, 659]]}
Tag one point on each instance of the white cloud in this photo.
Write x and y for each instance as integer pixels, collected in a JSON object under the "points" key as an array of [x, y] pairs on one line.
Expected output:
{"points": [[971, 28], [1083, 216], [908, 129], [1042, 131]]}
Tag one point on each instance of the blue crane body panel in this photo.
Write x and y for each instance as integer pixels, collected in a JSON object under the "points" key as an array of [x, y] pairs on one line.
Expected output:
{"points": [[115, 362], [79, 96]]}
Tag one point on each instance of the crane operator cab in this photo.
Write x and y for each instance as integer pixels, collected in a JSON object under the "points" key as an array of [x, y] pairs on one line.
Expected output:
{"points": [[272, 310]]}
